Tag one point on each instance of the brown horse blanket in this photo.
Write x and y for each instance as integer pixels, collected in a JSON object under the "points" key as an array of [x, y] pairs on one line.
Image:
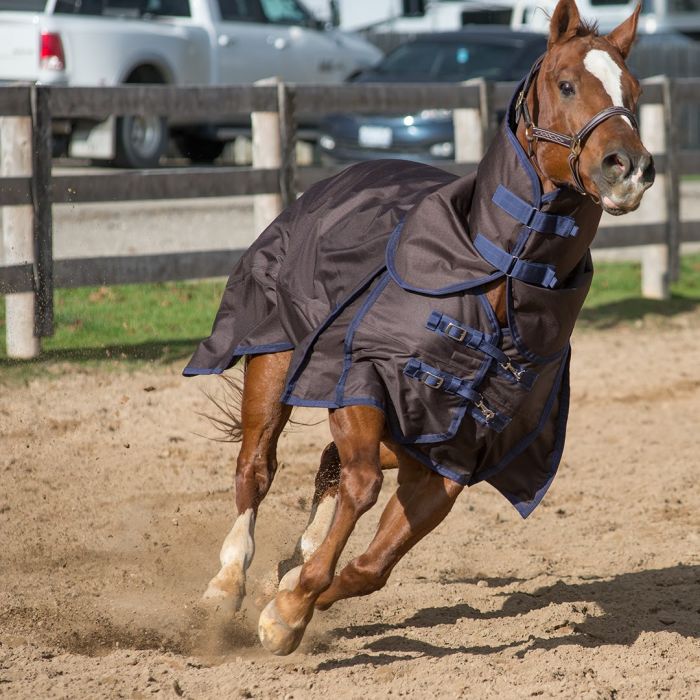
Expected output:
{"points": [[376, 279]]}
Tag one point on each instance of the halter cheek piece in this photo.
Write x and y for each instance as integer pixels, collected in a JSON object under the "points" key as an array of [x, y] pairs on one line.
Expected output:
{"points": [[574, 143]]}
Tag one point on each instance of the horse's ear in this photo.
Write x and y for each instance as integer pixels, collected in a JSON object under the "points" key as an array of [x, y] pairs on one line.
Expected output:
{"points": [[564, 23], [623, 36]]}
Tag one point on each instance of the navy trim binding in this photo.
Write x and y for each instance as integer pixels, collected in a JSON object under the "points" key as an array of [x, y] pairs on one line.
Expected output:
{"points": [[450, 289]]}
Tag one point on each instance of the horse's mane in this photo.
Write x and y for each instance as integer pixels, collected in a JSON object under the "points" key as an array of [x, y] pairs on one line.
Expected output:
{"points": [[587, 27]]}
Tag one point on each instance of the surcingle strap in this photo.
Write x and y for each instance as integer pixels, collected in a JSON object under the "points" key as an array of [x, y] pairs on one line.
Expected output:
{"points": [[444, 381], [472, 338], [533, 218], [513, 266]]}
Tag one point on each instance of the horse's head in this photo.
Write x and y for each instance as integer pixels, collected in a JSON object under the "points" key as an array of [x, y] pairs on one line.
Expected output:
{"points": [[584, 93]]}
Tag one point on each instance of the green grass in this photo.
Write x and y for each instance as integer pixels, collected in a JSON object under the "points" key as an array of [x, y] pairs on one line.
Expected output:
{"points": [[615, 294], [160, 323], [131, 323]]}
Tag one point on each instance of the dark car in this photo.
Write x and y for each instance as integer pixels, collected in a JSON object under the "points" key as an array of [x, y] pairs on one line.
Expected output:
{"points": [[493, 53]]}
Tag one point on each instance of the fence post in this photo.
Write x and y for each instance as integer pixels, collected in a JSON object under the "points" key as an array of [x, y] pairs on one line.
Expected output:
{"points": [[18, 236], [41, 201], [672, 182], [473, 125], [655, 203], [267, 153], [288, 143]]}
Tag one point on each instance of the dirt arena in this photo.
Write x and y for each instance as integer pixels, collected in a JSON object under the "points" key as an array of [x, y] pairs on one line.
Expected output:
{"points": [[113, 508]]}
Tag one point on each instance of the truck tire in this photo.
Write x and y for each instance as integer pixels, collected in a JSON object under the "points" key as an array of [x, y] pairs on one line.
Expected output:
{"points": [[198, 149], [141, 140]]}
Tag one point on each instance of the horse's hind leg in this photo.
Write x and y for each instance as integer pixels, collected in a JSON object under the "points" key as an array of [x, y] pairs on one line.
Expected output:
{"points": [[421, 502], [323, 507], [357, 431], [263, 418]]}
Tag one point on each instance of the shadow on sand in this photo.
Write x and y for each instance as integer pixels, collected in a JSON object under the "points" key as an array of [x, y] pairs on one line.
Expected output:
{"points": [[632, 604]]}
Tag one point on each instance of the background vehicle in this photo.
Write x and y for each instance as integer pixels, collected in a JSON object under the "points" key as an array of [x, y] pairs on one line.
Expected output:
{"points": [[179, 42], [489, 52]]}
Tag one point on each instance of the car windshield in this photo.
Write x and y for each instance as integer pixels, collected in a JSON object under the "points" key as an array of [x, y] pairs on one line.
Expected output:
{"points": [[442, 61], [23, 5]]}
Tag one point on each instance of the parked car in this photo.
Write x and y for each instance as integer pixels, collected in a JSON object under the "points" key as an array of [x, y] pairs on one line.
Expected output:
{"points": [[178, 42], [489, 52]]}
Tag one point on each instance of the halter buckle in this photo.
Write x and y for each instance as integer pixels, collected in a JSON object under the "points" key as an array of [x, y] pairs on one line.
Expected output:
{"points": [[528, 133], [576, 146]]}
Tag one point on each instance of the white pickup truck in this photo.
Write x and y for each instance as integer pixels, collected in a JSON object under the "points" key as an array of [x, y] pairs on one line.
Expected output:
{"points": [[178, 42]]}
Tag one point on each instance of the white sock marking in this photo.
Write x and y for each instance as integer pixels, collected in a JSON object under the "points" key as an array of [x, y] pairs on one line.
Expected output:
{"points": [[239, 546], [318, 528], [602, 66]]}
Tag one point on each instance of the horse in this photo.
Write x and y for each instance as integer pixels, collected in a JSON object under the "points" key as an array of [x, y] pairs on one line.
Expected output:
{"points": [[329, 308]]}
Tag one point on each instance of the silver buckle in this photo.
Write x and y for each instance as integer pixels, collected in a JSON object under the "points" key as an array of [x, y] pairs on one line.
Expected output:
{"points": [[440, 380], [462, 332]]}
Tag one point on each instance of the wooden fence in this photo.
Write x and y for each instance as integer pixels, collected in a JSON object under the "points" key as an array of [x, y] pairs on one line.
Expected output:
{"points": [[28, 189]]}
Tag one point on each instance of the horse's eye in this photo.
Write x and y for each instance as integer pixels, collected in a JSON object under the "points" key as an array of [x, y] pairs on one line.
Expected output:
{"points": [[566, 88]]}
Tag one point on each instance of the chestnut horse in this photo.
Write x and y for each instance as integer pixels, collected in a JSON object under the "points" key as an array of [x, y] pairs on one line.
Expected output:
{"points": [[579, 131]]}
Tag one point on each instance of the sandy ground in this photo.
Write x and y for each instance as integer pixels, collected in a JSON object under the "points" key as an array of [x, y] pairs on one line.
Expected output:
{"points": [[113, 507]]}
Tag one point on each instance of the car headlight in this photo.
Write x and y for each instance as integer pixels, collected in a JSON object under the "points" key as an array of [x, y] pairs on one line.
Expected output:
{"points": [[326, 142], [435, 114]]}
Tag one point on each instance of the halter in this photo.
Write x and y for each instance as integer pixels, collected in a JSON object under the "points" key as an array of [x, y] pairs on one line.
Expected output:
{"points": [[574, 143]]}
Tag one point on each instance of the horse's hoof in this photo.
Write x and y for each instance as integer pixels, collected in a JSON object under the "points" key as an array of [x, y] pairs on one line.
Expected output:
{"points": [[275, 634]]}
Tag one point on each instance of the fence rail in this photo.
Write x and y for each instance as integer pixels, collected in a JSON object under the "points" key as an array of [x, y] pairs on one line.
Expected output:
{"points": [[274, 178]]}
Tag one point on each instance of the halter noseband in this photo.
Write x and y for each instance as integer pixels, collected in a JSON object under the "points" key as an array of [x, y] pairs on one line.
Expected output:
{"points": [[574, 143]]}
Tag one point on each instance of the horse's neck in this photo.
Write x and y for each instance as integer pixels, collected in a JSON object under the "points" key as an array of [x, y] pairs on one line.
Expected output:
{"points": [[532, 104]]}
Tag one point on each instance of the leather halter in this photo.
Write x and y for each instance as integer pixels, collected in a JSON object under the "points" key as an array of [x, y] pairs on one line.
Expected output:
{"points": [[574, 143]]}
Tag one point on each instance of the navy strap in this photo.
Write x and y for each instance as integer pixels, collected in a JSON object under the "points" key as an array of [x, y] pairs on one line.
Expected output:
{"points": [[477, 340], [533, 218], [512, 266], [444, 381]]}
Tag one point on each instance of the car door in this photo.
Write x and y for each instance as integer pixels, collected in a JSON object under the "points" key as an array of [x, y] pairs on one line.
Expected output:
{"points": [[262, 38]]}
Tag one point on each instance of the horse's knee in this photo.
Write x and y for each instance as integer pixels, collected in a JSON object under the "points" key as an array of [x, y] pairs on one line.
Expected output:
{"points": [[360, 483]]}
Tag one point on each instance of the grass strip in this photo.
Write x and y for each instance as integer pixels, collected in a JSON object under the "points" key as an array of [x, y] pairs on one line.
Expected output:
{"points": [[161, 323]]}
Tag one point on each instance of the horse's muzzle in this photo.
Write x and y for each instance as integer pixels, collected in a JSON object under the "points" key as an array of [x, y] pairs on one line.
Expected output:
{"points": [[624, 177]]}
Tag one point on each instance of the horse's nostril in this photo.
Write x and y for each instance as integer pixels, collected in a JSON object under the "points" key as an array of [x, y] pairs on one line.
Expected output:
{"points": [[646, 167], [616, 166]]}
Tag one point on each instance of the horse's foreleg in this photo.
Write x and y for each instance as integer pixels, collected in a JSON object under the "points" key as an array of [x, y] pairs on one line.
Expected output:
{"points": [[263, 418], [323, 507], [357, 431], [421, 502]]}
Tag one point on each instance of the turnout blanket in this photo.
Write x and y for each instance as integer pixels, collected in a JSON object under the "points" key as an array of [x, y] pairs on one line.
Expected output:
{"points": [[376, 279]]}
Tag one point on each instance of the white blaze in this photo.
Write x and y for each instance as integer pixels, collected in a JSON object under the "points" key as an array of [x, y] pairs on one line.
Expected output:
{"points": [[600, 64]]}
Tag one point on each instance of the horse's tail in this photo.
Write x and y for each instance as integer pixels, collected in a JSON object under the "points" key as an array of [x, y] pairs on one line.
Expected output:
{"points": [[228, 421]]}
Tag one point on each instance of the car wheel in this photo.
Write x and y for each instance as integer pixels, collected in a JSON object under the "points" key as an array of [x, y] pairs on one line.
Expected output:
{"points": [[141, 141], [197, 149]]}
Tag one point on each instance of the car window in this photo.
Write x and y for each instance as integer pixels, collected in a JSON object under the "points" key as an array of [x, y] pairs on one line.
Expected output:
{"points": [[241, 11], [284, 12], [23, 5], [463, 61], [449, 62], [416, 59], [169, 8]]}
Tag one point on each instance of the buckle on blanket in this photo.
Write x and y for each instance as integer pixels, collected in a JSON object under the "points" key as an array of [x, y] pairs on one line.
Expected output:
{"points": [[459, 336], [487, 412], [517, 373], [432, 380]]}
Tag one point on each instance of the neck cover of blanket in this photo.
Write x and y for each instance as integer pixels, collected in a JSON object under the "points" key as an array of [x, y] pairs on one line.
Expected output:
{"points": [[375, 279]]}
